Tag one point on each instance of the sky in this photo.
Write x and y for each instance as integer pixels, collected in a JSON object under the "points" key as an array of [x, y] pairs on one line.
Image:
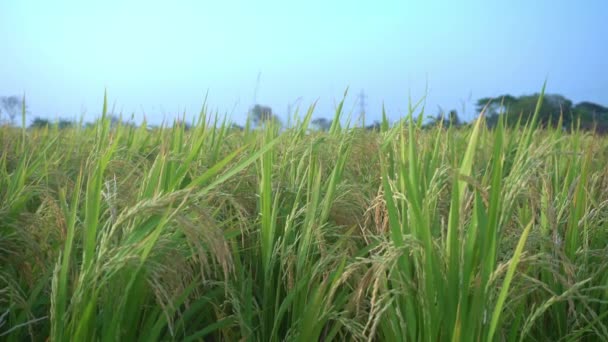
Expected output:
{"points": [[162, 59]]}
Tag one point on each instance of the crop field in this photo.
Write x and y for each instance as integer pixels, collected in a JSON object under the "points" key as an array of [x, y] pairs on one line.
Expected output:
{"points": [[113, 232]]}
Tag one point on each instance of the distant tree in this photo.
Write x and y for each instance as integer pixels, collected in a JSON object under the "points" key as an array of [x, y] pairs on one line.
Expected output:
{"points": [[493, 107], [64, 124], [591, 111], [553, 106], [452, 120], [591, 107], [261, 114], [236, 127], [11, 105], [321, 124], [40, 123], [376, 126], [496, 105], [592, 116]]}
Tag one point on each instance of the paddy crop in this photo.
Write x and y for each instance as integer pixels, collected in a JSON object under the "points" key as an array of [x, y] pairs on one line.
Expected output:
{"points": [[116, 232]]}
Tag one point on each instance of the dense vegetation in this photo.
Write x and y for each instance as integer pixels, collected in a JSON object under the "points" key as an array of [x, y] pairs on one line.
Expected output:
{"points": [[113, 232], [556, 110]]}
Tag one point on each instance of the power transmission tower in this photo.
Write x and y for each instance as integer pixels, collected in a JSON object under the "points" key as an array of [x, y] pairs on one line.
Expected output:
{"points": [[255, 97], [362, 106], [257, 86]]}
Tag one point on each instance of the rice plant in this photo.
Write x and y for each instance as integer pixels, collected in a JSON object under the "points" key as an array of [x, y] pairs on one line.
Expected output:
{"points": [[116, 232]]}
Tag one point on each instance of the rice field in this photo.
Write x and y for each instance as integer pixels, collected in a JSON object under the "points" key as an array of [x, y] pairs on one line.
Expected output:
{"points": [[123, 233]]}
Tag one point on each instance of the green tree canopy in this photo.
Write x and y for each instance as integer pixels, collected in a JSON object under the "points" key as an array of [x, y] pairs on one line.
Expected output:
{"points": [[553, 108], [451, 119], [261, 114], [40, 123], [321, 124]]}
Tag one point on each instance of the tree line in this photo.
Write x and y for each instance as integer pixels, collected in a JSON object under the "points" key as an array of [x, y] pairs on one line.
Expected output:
{"points": [[555, 110]]}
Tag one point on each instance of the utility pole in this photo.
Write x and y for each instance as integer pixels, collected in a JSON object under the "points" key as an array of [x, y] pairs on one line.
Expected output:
{"points": [[362, 105]]}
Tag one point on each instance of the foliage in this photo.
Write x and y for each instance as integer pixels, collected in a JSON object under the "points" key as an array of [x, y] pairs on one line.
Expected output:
{"points": [[592, 116], [440, 120], [376, 126], [321, 124], [11, 106], [63, 124], [260, 115], [40, 123], [555, 110]]}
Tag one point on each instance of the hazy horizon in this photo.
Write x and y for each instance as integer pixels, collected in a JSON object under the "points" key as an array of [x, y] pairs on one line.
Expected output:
{"points": [[162, 59]]}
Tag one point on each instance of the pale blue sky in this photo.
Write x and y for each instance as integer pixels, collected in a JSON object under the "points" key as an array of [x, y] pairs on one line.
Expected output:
{"points": [[161, 57]]}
